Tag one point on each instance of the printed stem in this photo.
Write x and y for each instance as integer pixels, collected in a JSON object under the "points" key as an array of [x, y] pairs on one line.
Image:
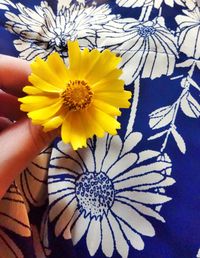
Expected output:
{"points": [[133, 106], [160, 11], [177, 105]]}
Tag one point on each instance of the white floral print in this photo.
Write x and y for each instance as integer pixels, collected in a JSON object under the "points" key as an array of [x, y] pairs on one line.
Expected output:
{"points": [[156, 3], [109, 195], [42, 32], [106, 192], [144, 46], [189, 39]]}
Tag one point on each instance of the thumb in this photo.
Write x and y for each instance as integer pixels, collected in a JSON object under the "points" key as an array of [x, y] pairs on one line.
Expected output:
{"points": [[20, 143]]}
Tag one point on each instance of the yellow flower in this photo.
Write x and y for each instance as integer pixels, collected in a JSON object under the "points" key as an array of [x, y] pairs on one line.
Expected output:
{"points": [[83, 98]]}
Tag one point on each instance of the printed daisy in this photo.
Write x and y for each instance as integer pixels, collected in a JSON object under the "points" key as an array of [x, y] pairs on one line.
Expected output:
{"points": [[40, 31], [189, 29], [107, 193], [84, 98], [144, 46]]}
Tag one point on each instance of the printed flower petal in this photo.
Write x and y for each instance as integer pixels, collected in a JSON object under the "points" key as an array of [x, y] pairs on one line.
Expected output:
{"points": [[135, 181], [79, 229], [120, 243], [63, 220], [122, 165], [100, 152], [146, 198], [133, 237], [93, 238], [139, 223], [8, 247], [107, 238], [113, 153], [58, 205], [157, 166]]}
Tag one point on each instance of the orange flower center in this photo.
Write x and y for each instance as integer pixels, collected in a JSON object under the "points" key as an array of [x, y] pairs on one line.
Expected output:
{"points": [[77, 96]]}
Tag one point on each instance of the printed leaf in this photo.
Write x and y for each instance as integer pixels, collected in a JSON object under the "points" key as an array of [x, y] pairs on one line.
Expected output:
{"points": [[157, 135], [186, 63], [146, 155], [179, 140], [130, 142], [161, 117], [193, 83], [190, 106]]}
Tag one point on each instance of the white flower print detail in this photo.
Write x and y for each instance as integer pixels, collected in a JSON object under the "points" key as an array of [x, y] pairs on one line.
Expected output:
{"points": [[147, 48], [106, 192], [13, 218], [32, 183], [5, 3], [198, 254], [42, 32], [156, 3], [189, 29]]}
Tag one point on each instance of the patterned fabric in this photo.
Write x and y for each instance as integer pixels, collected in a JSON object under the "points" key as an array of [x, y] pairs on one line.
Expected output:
{"points": [[118, 196]]}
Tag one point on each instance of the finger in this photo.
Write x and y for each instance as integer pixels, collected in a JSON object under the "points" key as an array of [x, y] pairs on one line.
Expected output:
{"points": [[10, 107], [13, 74], [4, 123], [20, 143]]}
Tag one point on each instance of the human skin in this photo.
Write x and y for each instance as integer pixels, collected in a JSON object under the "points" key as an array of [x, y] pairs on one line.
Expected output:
{"points": [[20, 141]]}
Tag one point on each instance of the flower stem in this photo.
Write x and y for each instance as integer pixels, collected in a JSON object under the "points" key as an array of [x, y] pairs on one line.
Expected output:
{"points": [[133, 106]]}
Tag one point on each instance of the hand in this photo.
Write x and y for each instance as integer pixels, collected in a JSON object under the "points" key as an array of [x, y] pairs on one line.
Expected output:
{"points": [[20, 141]]}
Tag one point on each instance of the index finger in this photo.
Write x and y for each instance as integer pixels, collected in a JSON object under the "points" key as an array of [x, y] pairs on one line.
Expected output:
{"points": [[14, 74]]}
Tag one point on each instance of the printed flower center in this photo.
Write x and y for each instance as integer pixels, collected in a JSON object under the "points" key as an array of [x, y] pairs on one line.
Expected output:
{"points": [[146, 31], [95, 193], [77, 96], [59, 41]]}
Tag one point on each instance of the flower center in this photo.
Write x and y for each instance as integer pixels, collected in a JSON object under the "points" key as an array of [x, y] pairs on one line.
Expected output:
{"points": [[146, 31], [95, 194], [77, 96]]}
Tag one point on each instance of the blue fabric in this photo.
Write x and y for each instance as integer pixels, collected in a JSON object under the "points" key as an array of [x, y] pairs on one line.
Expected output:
{"points": [[154, 210]]}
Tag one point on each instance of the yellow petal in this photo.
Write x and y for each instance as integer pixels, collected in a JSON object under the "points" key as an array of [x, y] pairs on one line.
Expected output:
{"points": [[31, 90], [78, 136], [90, 124], [58, 66], [109, 123], [46, 112], [74, 58], [108, 85], [52, 123], [98, 70], [72, 131], [44, 85], [105, 64], [118, 99], [42, 69], [89, 59], [30, 103], [106, 107], [66, 128]]}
